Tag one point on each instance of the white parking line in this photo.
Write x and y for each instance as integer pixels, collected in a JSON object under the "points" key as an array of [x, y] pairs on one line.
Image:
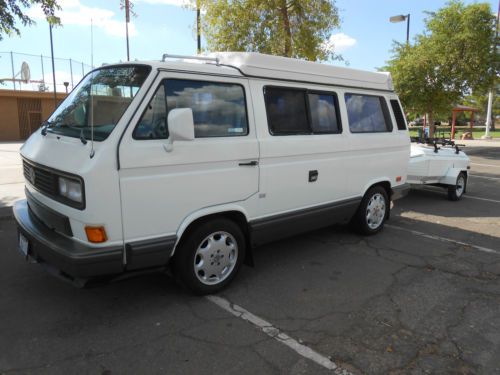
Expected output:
{"points": [[467, 196], [480, 199], [486, 177], [444, 239], [276, 334]]}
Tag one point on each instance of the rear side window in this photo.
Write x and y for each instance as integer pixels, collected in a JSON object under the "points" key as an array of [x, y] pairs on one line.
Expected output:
{"points": [[292, 111], [398, 114], [367, 114], [323, 109], [219, 109], [286, 111]]}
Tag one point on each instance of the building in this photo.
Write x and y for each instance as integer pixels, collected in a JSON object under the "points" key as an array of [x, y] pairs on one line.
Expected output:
{"points": [[22, 112]]}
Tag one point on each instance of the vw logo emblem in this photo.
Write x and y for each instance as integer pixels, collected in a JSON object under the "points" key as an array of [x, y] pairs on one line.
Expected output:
{"points": [[31, 175]]}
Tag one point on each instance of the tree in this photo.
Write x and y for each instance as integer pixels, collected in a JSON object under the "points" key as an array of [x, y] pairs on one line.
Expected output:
{"points": [[12, 11], [452, 59], [291, 28]]}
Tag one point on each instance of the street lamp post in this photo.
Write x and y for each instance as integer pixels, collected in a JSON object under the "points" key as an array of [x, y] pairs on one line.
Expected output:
{"points": [[401, 18]]}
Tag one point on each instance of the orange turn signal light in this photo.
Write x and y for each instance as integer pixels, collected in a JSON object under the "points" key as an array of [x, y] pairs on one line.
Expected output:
{"points": [[96, 234]]}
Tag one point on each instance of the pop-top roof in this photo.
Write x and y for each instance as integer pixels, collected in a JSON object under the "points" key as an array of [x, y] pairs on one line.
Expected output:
{"points": [[277, 67]]}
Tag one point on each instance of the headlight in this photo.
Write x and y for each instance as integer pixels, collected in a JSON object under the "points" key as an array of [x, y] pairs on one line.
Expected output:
{"points": [[71, 189]]}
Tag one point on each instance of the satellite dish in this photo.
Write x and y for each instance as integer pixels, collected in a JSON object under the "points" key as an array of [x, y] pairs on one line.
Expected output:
{"points": [[25, 72]]}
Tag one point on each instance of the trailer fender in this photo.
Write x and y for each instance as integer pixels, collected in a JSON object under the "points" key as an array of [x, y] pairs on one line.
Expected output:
{"points": [[451, 176]]}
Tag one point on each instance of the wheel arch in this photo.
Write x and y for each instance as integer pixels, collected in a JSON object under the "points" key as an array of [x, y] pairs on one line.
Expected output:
{"points": [[234, 213], [386, 185], [451, 176]]}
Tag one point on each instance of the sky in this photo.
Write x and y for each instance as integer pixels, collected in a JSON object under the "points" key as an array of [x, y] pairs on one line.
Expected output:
{"points": [[364, 38]]}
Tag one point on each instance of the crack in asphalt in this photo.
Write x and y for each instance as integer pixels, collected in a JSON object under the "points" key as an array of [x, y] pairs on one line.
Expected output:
{"points": [[466, 267]]}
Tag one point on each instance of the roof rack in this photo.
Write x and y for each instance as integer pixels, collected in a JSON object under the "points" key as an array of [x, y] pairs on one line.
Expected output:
{"points": [[201, 58]]}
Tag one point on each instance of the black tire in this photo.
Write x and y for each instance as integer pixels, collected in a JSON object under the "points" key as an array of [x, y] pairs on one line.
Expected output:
{"points": [[456, 191], [208, 248], [361, 220]]}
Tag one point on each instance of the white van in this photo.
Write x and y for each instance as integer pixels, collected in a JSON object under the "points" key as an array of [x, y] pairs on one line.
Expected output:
{"points": [[190, 164]]}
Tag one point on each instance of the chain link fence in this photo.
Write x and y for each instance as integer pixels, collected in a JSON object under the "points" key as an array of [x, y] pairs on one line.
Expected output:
{"points": [[68, 72]]}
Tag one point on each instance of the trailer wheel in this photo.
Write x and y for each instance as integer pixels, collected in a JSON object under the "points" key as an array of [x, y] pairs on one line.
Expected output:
{"points": [[456, 191], [372, 211], [210, 257]]}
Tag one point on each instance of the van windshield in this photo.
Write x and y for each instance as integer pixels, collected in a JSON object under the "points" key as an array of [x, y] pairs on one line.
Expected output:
{"points": [[98, 101]]}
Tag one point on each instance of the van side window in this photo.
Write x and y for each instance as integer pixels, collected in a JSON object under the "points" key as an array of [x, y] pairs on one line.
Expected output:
{"points": [[323, 112], [219, 109], [286, 111], [398, 114], [153, 123], [367, 113], [292, 111]]}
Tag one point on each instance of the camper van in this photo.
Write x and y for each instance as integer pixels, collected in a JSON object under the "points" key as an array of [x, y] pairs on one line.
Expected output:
{"points": [[189, 163]]}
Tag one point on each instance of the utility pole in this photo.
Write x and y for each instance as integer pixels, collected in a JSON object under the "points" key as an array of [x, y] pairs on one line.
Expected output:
{"points": [[491, 93], [53, 64], [127, 20], [198, 26]]}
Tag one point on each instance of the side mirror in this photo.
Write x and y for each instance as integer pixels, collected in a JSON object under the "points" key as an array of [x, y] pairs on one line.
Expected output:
{"points": [[180, 126]]}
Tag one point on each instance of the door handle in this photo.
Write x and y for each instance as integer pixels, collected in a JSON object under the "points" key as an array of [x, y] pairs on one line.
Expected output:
{"points": [[252, 163], [313, 176]]}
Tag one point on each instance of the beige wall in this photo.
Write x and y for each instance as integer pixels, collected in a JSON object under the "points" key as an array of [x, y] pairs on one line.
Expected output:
{"points": [[9, 119], [9, 110]]}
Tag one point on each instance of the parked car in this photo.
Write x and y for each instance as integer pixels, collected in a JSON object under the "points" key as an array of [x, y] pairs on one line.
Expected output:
{"points": [[149, 165]]}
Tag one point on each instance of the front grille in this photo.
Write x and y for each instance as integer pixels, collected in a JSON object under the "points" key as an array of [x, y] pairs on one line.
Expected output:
{"points": [[45, 180], [41, 179]]}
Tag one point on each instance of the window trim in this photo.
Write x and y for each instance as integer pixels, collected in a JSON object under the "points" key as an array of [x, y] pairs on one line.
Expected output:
{"points": [[385, 113], [306, 93]]}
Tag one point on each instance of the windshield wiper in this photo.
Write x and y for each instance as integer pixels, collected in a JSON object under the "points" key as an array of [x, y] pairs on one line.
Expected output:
{"points": [[45, 125], [82, 136]]}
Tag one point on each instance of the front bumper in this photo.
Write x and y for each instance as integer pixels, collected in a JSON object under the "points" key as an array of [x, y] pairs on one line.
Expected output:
{"points": [[400, 191], [70, 259]]}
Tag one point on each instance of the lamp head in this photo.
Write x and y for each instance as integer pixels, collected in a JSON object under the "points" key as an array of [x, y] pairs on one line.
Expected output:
{"points": [[399, 18]]}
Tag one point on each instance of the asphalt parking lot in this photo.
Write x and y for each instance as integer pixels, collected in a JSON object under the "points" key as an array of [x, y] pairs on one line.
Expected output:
{"points": [[421, 297]]}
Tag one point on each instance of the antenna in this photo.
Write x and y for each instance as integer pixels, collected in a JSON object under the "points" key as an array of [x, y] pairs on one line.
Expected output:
{"points": [[92, 43], [92, 152]]}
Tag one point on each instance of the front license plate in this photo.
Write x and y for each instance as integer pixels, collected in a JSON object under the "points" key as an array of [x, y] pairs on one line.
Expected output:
{"points": [[23, 244]]}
